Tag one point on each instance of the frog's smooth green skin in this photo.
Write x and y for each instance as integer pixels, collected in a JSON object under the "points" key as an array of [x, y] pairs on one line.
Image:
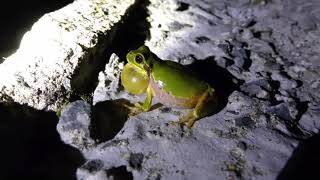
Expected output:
{"points": [[171, 83]]}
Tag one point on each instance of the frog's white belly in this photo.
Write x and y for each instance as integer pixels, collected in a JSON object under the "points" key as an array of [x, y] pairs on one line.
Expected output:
{"points": [[169, 100]]}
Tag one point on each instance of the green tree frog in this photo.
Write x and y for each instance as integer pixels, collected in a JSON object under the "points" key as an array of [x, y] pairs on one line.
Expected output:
{"points": [[173, 85]]}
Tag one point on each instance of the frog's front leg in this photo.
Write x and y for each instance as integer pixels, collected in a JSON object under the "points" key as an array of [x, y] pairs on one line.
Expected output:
{"points": [[148, 101], [142, 107], [206, 104]]}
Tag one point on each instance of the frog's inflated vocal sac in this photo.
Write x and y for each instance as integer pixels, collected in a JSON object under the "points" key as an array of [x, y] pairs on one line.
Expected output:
{"points": [[171, 83]]}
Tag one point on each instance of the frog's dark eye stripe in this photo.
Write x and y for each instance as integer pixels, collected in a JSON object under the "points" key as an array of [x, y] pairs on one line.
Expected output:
{"points": [[138, 59]]}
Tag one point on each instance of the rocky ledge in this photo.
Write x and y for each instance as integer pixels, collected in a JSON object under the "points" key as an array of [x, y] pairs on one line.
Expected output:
{"points": [[261, 56]]}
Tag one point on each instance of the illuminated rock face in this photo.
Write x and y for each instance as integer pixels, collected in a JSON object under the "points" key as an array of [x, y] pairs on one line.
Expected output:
{"points": [[261, 57], [263, 75], [60, 53]]}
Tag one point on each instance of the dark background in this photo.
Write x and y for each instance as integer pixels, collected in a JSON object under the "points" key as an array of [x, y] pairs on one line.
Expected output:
{"points": [[16, 17]]}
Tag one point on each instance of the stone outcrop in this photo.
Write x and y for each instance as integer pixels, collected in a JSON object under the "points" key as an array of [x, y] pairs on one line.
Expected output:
{"points": [[60, 54]]}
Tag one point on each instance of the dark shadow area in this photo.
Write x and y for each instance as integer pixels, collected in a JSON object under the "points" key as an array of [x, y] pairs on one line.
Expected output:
{"points": [[17, 17], [135, 160], [182, 6], [304, 161], [108, 118], [115, 173], [31, 147], [219, 78], [119, 173], [131, 32]]}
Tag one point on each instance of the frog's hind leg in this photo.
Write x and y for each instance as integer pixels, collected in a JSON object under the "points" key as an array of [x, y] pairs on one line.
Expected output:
{"points": [[206, 104]]}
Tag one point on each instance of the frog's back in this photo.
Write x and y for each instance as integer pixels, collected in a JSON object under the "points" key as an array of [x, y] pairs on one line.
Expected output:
{"points": [[178, 80]]}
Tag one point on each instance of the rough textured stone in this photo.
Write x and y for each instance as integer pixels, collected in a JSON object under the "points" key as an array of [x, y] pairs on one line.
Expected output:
{"points": [[267, 103], [58, 55], [109, 80], [236, 142], [74, 125], [262, 59]]}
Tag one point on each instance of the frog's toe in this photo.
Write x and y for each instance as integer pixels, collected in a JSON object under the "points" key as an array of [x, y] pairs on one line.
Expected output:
{"points": [[183, 120], [188, 120], [138, 105], [134, 109], [191, 123], [177, 124], [173, 123]]}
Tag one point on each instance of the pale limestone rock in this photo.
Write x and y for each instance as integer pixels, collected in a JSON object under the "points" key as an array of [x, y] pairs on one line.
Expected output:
{"points": [[254, 133], [58, 54]]}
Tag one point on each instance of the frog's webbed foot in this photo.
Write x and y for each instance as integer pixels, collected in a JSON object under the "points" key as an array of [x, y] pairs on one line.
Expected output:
{"points": [[141, 107], [188, 119], [134, 109]]}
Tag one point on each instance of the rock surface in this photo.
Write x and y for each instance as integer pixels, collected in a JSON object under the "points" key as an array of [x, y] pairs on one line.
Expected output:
{"points": [[262, 59], [59, 55], [237, 142], [261, 56], [75, 122]]}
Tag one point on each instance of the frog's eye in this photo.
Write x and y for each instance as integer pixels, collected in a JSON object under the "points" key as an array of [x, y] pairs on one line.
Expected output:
{"points": [[138, 58]]}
